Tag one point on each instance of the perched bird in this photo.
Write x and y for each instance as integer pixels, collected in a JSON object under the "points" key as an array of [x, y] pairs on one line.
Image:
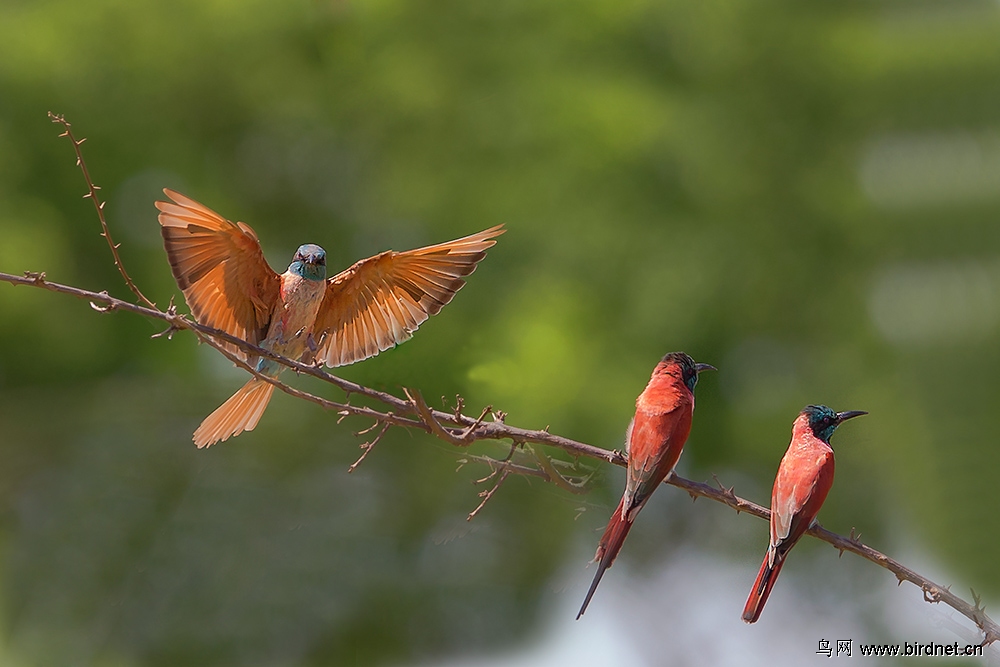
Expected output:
{"points": [[654, 441], [805, 476], [372, 306]]}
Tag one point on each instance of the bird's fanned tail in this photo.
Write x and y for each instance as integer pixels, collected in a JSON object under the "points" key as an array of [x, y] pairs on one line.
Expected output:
{"points": [[762, 587], [607, 550], [240, 413]]}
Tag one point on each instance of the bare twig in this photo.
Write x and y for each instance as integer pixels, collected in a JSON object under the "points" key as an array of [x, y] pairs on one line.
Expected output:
{"points": [[503, 468], [461, 439], [463, 430], [98, 204], [554, 476], [368, 446], [514, 468], [474, 429], [486, 495]]}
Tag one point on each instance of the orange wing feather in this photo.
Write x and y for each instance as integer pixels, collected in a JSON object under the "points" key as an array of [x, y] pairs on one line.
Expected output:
{"points": [[219, 266], [380, 301]]}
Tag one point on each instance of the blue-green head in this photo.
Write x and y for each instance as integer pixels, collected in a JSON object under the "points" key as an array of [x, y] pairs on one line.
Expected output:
{"points": [[309, 262], [824, 421], [686, 365]]}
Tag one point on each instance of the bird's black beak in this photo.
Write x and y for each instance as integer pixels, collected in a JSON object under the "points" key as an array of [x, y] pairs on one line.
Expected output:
{"points": [[705, 367], [849, 414]]}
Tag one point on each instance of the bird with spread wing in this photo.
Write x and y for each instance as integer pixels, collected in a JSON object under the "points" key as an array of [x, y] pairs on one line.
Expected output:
{"points": [[375, 304]]}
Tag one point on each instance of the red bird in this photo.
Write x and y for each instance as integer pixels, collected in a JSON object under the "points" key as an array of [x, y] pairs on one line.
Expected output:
{"points": [[654, 441], [805, 476]]}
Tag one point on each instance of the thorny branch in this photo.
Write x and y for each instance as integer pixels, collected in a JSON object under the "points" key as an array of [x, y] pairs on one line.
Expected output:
{"points": [[462, 430], [408, 413], [461, 439], [369, 445], [500, 468], [98, 204]]}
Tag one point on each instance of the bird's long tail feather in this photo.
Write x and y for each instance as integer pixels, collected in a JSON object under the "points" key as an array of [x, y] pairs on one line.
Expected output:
{"points": [[607, 549], [762, 588], [240, 413]]}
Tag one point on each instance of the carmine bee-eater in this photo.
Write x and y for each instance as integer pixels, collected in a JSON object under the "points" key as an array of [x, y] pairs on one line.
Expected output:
{"points": [[805, 476], [654, 441], [372, 306]]}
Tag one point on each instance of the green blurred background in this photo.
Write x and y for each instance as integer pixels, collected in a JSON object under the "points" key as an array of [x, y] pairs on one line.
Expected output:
{"points": [[803, 194]]}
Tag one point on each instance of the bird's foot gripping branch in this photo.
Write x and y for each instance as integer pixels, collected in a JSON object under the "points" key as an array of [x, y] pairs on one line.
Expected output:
{"points": [[263, 351]]}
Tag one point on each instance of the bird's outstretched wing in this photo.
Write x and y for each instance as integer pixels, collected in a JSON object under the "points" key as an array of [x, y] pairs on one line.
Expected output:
{"points": [[380, 301], [219, 266]]}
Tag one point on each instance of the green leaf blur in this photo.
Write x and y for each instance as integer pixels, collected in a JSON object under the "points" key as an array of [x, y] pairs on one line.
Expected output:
{"points": [[803, 194]]}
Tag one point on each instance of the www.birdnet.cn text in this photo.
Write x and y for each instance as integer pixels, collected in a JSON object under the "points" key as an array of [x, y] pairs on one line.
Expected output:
{"points": [[848, 648]]}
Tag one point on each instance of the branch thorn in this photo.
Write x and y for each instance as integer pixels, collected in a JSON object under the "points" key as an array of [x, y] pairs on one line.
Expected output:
{"points": [[368, 446]]}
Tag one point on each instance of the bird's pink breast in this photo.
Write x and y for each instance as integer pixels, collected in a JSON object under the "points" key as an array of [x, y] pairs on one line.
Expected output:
{"points": [[295, 314], [301, 299], [662, 424]]}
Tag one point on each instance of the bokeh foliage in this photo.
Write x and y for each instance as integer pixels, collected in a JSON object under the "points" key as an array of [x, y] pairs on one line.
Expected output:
{"points": [[804, 194]]}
